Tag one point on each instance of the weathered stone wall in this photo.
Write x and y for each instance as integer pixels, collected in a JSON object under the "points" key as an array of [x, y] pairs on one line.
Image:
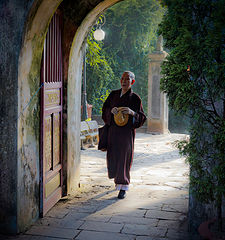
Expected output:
{"points": [[202, 210], [35, 29], [12, 17]]}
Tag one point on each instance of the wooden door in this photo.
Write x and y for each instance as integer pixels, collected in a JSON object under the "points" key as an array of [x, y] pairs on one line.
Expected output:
{"points": [[51, 117]]}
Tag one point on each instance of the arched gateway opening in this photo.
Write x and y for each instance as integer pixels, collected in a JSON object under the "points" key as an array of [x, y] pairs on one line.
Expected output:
{"points": [[30, 163]]}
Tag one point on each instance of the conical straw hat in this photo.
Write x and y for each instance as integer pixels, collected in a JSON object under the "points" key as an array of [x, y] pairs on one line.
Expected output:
{"points": [[120, 118]]}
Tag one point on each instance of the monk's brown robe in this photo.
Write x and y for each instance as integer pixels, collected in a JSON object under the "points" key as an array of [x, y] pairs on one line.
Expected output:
{"points": [[120, 146]]}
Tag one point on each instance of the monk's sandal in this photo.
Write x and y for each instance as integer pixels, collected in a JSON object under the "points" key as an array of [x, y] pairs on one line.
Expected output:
{"points": [[122, 194]]}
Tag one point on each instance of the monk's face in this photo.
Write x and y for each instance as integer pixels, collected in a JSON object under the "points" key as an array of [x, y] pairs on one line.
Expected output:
{"points": [[126, 82]]}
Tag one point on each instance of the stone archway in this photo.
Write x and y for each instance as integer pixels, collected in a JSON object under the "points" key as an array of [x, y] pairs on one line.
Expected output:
{"points": [[28, 135], [75, 72]]}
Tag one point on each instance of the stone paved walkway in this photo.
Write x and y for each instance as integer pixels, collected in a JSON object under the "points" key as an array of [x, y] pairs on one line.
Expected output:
{"points": [[155, 207]]}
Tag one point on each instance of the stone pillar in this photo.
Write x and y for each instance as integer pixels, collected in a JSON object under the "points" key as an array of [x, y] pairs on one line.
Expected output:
{"points": [[157, 101]]}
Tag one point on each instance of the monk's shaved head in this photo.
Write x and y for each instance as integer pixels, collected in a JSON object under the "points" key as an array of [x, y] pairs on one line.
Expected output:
{"points": [[131, 74]]}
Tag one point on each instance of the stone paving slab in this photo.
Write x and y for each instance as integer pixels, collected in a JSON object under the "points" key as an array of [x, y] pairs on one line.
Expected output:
{"points": [[128, 212], [169, 224], [148, 238], [134, 220], [65, 223], [176, 235], [29, 237], [98, 217], [146, 230], [84, 208], [53, 232], [163, 215], [59, 212], [94, 235], [155, 207], [175, 208], [102, 226]]}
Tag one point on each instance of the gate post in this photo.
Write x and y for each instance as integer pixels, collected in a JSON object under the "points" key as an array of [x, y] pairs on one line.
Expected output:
{"points": [[157, 101]]}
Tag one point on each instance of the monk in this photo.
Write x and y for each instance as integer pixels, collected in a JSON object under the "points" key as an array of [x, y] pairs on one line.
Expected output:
{"points": [[120, 146]]}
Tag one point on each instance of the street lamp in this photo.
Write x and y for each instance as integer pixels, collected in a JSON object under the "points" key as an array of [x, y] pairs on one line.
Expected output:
{"points": [[84, 115], [99, 34]]}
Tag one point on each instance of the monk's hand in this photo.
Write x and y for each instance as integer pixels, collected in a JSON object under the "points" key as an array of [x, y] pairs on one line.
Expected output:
{"points": [[114, 110], [127, 110]]}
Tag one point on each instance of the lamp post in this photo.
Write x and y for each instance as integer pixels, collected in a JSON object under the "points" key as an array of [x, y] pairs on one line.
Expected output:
{"points": [[84, 115], [99, 35]]}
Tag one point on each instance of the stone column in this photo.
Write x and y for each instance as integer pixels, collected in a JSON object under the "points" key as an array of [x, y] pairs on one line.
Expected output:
{"points": [[157, 101]]}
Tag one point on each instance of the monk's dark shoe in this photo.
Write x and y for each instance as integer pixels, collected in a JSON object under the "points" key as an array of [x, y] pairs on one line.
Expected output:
{"points": [[122, 194]]}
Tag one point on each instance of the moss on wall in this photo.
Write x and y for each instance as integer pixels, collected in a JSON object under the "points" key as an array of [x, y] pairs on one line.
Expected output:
{"points": [[33, 116], [32, 13]]}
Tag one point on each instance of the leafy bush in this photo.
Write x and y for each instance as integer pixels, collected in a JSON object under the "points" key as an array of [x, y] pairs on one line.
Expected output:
{"points": [[194, 31]]}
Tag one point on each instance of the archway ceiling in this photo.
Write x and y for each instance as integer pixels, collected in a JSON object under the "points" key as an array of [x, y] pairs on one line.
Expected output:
{"points": [[75, 11]]}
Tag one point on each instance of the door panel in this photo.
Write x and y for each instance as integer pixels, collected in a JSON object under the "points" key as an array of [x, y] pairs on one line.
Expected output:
{"points": [[51, 117], [48, 143], [56, 139]]}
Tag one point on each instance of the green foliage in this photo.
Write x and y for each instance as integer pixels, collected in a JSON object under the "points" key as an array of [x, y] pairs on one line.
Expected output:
{"points": [[131, 34], [102, 99], [178, 123], [194, 31], [100, 76]]}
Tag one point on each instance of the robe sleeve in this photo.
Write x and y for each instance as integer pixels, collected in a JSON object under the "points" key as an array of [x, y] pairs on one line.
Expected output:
{"points": [[106, 110], [139, 117]]}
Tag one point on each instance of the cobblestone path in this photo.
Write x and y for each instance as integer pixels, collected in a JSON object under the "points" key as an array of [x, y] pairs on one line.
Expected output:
{"points": [[155, 207]]}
